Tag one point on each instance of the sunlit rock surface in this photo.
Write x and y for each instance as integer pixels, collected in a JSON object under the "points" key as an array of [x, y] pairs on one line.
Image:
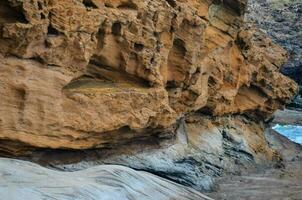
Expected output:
{"points": [[24, 180], [98, 74]]}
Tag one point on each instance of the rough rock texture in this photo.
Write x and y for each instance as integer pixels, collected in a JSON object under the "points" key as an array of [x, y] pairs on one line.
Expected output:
{"points": [[205, 148], [23, 180], [89, 74], [282, 21]]}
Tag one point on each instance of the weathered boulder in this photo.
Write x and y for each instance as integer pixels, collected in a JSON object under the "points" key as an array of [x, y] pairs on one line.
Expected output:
{"points": [[90, 74]]}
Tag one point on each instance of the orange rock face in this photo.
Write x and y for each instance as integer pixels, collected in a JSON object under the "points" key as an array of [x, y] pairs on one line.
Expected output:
{"points": [[82, 74]]}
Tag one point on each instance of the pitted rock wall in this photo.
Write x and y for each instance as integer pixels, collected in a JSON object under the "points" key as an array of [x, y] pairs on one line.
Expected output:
{"points": [[88, 74]]}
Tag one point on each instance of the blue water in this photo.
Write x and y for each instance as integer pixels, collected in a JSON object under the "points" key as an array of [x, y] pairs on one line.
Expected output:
{"points": [[294, 133]]}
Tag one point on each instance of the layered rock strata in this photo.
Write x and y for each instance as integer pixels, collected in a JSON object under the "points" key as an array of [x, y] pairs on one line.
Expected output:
{"points": [[102, 182], [81, 74], [205, 148]]}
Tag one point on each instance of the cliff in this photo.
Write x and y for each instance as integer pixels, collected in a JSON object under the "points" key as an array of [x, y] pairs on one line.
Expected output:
{"points": [[96, 74], [282, 21]]}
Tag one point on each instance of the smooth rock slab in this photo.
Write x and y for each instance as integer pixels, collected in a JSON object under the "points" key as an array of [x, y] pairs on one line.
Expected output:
{"points": [[25, 180]]}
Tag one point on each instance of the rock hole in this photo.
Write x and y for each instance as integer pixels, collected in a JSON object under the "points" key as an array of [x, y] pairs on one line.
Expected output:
{"points": [[211, 81], [40, 7], [171, 85], [179, 46], [152, 60], [43, 16], [172, 3], [138, 47], [10, 14], [89, 4], [117, 29], [236, 6], [52, 31]]}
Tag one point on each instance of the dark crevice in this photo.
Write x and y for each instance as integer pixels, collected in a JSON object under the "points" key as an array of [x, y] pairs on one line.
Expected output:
{"points": [[101, 39], [89, 4], [10, 14], [128, 5], [117, 28], [172, 3], [171, 85], [43, 16], [138, 47], [235, 5], [180, 46], [40, 7], [52, 31], [211, 81]]}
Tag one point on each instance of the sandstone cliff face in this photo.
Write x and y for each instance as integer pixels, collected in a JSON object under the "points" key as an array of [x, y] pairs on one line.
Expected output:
{"points": [[89, 74]]}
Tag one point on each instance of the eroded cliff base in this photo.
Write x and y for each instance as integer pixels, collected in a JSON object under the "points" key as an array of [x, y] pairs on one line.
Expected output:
{"points": [[181, 89], [84, 74], [204, 148]]}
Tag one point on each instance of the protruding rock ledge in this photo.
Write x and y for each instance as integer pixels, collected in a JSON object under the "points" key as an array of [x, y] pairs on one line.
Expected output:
{"points": [[74, 73]]}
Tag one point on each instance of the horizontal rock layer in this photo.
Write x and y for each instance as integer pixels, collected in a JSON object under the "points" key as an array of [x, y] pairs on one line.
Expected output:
{"points": [[89, 74], [204, 148], [24, 180]]}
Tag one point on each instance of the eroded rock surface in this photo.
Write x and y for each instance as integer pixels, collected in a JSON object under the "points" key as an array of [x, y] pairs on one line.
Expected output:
{"points": [[205, 148], [24, 180], [89, 74]]}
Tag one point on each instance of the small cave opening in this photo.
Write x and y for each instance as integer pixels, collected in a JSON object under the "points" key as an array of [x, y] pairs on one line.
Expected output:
{"points": [[236, 6], [211, 81], [172, 3], [9, 14], [51, 31], [43, 16], [138, 47], [171, 85], [116, 29], [89, 4]]}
